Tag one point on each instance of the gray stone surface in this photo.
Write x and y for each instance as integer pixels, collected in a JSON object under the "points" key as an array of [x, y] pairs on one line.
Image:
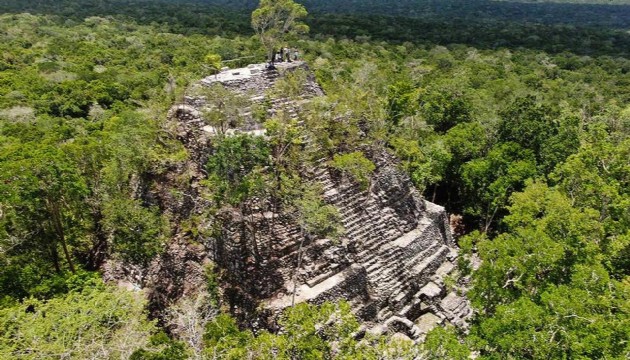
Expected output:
{"points": [[427, 322], [431, 290]]}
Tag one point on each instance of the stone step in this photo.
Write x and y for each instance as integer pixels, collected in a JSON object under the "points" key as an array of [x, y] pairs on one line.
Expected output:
{"points": [[373, 266], [425, 267], [322, 277], [384, 313], [393, 278]]}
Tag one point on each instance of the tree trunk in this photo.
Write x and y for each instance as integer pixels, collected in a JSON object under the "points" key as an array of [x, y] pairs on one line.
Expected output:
{"points": [[434, 193], [67, 255], [489, 219], [297, 268], [252, 226], [99, 247], [272, 57], [56, 215], [55, 258]]}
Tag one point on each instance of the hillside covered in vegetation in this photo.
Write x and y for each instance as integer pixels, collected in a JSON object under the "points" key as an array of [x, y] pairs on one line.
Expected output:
{"points": [[115, 216]]}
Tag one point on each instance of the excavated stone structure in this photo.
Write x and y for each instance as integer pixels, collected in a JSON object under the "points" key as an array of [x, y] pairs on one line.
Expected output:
{"points": [[392, 261], [390, 264], [254, 83]]}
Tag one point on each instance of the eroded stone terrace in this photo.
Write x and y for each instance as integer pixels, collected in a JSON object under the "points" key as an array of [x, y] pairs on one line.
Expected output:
{"points": [[397, 248]]}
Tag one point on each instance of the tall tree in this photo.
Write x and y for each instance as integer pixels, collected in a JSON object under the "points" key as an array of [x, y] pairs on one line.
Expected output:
{"points": [[42, 193], [223, 109], [275, 21]]}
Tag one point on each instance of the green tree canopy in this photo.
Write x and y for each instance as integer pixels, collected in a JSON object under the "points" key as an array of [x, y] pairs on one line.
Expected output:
{"points": [[97, 322], [275, 21]]}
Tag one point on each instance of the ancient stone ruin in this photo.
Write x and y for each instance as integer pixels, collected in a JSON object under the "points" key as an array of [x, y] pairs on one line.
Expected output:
{"points": [[391, 264]]}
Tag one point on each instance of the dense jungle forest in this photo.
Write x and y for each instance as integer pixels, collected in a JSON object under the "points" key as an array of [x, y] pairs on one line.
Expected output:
{"points": [[512, 115]]}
